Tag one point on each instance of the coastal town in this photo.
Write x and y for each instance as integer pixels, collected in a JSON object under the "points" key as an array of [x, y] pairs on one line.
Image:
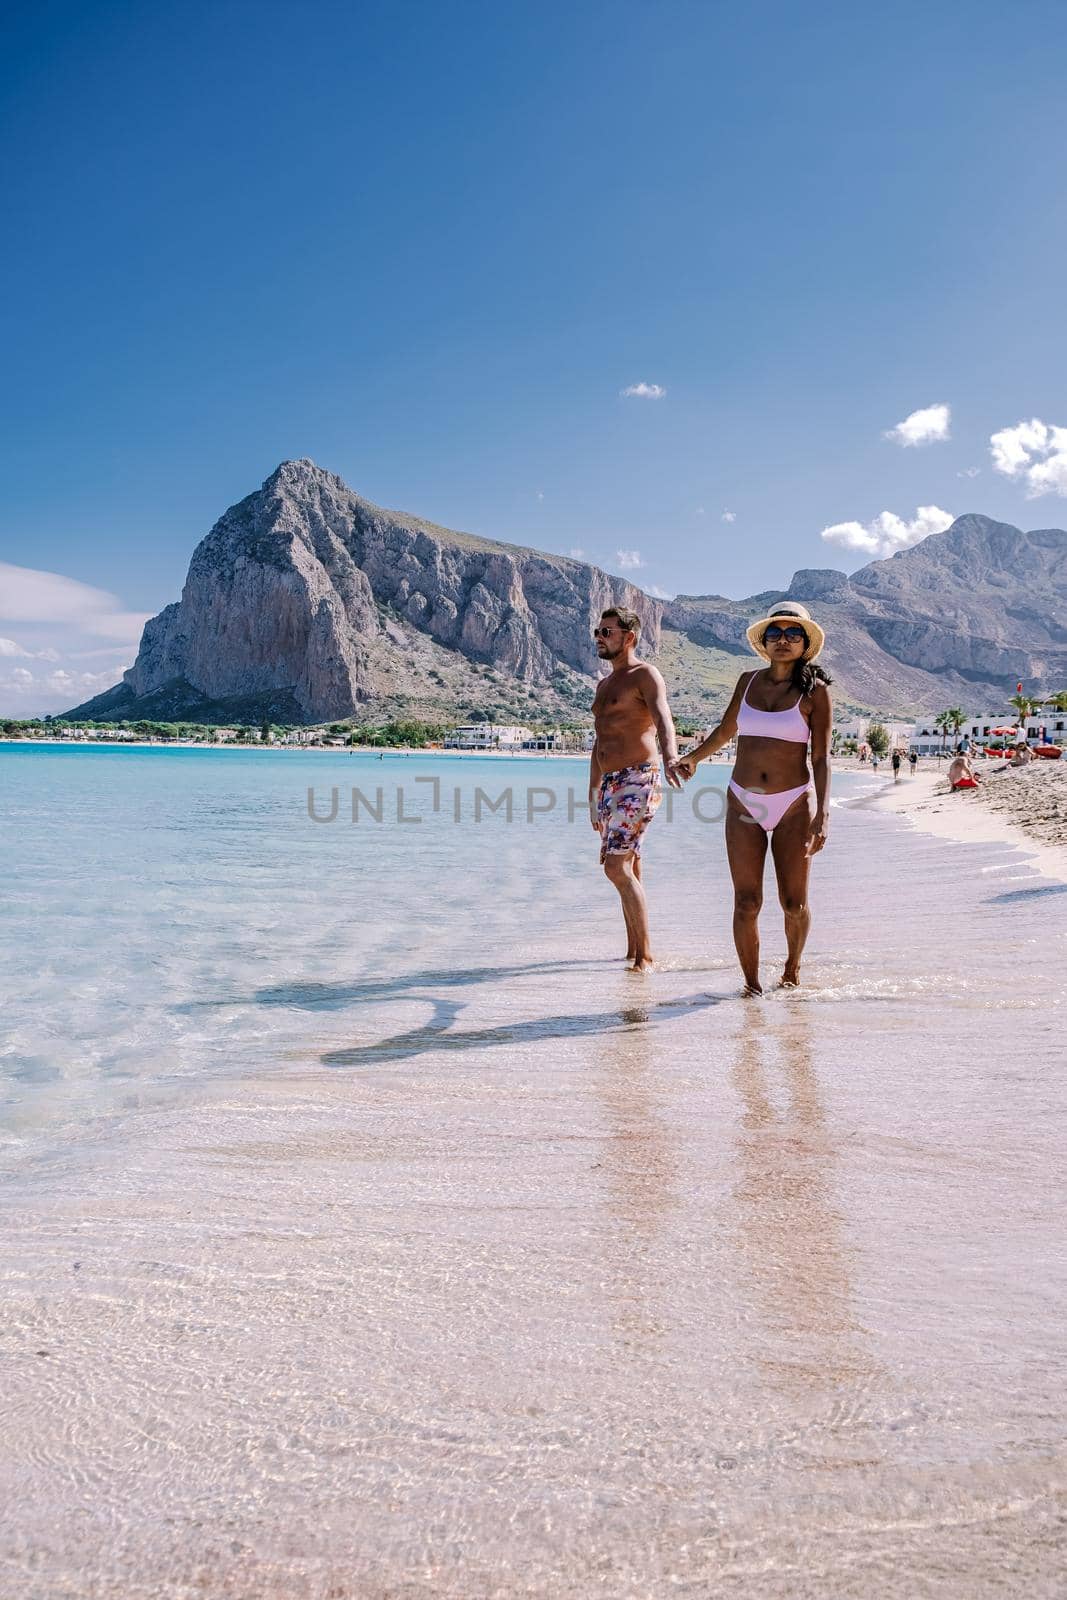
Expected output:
{"points": [[1040, 724]]}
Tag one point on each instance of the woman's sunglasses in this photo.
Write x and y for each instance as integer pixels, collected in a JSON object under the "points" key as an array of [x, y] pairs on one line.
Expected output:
{"points": [[794, 635]]}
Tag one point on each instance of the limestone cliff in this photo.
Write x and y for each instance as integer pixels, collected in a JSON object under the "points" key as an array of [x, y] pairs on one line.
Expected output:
{"points": [[309, 602]]}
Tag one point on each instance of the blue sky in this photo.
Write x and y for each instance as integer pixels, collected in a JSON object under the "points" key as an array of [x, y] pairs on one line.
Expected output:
{"points": [[429, 245]]}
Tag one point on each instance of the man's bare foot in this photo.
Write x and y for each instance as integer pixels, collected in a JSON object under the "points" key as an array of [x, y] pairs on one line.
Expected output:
{"points": [[643, 964], [790, 978], [750, 991]]}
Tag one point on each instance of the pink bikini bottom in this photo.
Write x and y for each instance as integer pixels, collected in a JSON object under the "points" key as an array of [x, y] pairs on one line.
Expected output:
{"points": [[768, 809]]}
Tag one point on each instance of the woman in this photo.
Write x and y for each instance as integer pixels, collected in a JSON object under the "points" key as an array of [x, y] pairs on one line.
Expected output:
{"points": [[774, 712]]}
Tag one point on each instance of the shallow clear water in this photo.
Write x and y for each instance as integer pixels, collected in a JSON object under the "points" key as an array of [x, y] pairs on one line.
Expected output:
{"points": [[370, 1231]]}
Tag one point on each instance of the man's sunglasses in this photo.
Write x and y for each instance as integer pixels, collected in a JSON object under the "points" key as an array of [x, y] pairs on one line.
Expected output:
{"points": [[794, 635], [603, 633]]}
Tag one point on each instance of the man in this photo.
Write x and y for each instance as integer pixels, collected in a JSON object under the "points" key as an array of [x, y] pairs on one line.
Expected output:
{"points": [[630, 712], [896, 766]]}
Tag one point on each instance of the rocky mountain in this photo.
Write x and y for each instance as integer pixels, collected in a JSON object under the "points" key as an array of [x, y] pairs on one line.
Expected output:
{"points": [[960, 617], [306, 603]]}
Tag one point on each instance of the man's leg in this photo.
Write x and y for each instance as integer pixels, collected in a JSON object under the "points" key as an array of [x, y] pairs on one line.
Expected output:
{"points": [[631, 932], [746, 852], [619, 869]]}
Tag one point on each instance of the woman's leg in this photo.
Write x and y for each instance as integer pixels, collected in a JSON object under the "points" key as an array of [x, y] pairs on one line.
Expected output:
{"points": [[746, 851], [792, 865]]}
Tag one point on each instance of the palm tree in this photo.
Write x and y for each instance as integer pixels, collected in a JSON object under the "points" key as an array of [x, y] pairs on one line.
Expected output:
{"points": [[1024, 705], [1058, 701], [943, 722], [956, 717]]}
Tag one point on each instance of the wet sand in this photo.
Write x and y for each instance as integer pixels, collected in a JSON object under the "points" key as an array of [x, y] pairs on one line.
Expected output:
{"points": [[436, 1255]]}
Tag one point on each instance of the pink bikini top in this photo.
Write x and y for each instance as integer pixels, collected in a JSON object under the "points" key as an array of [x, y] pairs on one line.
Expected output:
{"points": [[790, 724]]}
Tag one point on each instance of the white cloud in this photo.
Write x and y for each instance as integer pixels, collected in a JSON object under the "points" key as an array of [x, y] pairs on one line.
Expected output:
{"points": [[887, 532], [540, 494], [577, 554], [729, 516], [700, 511], [27, 595], [28, 695], [10, 647], [1035, 451], [969, 472], [658, 593], [644, 391], [628, 559], [928, 426], [61, 624]]}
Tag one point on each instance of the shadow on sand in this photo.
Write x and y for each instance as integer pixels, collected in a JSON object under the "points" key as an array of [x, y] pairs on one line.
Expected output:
{"points": [[436, 1035]]}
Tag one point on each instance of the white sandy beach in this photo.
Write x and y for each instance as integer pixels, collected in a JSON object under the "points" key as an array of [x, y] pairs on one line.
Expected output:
{"points": [[1025, 807], [370, 1233]]}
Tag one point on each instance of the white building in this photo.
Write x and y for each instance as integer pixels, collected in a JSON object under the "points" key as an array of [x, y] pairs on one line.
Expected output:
{"points": [[1048, 724], [487, 736], [898, 732]]}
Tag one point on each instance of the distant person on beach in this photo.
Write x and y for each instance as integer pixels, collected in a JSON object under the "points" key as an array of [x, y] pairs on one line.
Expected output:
{"points": [[1021, 756], [630, 711], [961, 775], [773, 796], [913, 760], [896, 766]]}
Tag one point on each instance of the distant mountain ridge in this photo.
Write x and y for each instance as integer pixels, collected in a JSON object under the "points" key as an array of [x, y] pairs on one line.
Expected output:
{"points": [[307, 603], [964, 614]]}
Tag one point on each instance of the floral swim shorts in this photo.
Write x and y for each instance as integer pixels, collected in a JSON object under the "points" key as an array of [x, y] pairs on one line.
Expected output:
{"points": [[626, 803]]}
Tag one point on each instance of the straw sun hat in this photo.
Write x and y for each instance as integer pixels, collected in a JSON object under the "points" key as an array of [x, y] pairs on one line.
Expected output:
{"points": [[784, 612]]}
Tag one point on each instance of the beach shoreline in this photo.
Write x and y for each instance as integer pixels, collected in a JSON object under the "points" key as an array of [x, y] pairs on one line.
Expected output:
{"points": [[1025, 808]]}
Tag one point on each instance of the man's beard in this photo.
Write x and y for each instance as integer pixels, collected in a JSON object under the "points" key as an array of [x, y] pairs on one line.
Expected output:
{"points": [[610, 655]]}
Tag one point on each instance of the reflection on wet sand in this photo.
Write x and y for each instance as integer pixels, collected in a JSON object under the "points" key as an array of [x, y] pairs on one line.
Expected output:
{"points": [[787, 1226], [639, 1158]]}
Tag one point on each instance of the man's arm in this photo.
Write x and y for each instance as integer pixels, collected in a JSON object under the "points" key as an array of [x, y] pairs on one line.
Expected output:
{"points": [[653, 692], [720, 736], [822, 716], [594, 782]]}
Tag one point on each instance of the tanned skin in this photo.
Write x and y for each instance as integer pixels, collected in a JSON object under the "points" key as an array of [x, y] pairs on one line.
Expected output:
{"points": [[773, 765], [630, 712]]}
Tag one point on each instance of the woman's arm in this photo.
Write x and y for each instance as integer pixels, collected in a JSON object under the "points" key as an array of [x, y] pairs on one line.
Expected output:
{"points": [[718, 737], [822, 716]]}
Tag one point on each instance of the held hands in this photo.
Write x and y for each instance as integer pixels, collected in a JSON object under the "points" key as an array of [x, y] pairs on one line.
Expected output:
{"points": [[670, 772], [681, 769]]}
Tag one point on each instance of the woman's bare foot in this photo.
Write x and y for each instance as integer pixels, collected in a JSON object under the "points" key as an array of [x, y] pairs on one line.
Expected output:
{"points": [[751, 991], [643, 964], [790, 978]]}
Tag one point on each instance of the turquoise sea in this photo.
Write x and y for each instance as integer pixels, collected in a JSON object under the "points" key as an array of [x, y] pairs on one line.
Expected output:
{"points": [[369, 1230]]}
